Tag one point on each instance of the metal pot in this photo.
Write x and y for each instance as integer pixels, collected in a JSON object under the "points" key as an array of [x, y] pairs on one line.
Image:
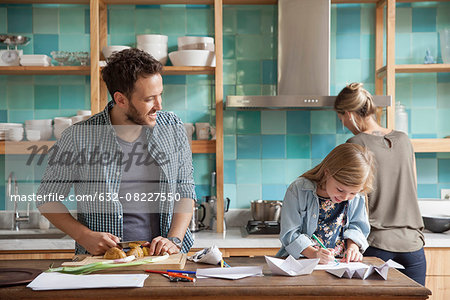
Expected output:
{"points": [[197, 221], [266, 210]]}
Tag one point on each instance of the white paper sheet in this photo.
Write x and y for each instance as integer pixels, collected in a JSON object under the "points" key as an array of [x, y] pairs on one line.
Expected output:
{"points": [[230, 273], [341, 265], [363, 272], [60, 281], [290, 266]]}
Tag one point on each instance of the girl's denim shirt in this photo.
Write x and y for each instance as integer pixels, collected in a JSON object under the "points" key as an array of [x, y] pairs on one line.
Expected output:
{"points": [[300, 215]]}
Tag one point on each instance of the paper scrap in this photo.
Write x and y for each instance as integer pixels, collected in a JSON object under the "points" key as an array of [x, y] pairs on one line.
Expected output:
{"points": [[364, 272], [230, 273], [60, 281], [211, 255], [291, 266]]}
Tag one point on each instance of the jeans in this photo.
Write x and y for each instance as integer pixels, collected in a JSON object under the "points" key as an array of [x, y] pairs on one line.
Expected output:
{"points": [[414, 262]]}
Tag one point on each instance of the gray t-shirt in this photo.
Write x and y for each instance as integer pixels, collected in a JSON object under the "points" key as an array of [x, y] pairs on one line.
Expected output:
{"points": [[139, 183], [394, 215]]}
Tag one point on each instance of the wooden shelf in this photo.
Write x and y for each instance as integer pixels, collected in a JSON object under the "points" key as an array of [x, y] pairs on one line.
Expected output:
{"points": [[200, 2], [51, 70], [171, 70], [432, 68], [418, 68], [431, 145], [203, 146], [198, 146]]}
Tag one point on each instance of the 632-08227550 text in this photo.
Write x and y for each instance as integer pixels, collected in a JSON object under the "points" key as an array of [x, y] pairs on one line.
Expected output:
{"points": [[146, 197]]}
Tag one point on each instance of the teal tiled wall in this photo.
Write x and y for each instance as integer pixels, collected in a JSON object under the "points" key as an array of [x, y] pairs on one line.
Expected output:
{"points": [[264, 151]]}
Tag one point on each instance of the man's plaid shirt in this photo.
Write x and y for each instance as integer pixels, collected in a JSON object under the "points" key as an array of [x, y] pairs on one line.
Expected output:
{"points": [[168, 145]]}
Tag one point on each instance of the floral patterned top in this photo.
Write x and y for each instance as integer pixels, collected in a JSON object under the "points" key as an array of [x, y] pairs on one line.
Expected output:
{"points": [[332, 218]]}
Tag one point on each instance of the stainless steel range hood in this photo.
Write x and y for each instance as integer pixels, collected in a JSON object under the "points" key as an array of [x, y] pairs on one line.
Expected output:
{"points": [[303, 60]]}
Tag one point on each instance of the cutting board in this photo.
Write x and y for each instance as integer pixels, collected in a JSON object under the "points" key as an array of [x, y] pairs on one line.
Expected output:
{"points": [[175, 261]]}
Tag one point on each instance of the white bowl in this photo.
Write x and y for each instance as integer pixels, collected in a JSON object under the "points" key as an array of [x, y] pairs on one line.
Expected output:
{"points": [[197, 46], [151, 38], [77, 119], [44, 122], [188, 40], [62, 121], [158, 51], [109, 50], [45, 131], [84, 112], [193, 58], [33, 135]]}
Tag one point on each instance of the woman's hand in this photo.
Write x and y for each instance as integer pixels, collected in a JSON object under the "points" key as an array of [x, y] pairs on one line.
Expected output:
{"points": [[352, 253]]}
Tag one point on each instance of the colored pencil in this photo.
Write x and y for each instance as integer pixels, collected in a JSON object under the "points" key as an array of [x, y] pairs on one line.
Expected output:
{"points": [[181, 271]]}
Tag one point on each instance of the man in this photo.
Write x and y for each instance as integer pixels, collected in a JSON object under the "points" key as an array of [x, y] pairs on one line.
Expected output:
{"points": [[120, 195]]}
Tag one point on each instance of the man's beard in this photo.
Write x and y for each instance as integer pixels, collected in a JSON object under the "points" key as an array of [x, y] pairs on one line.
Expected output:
{"points": [[133, 115]]}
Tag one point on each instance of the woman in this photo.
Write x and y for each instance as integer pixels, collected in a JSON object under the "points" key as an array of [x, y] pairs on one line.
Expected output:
{"points": [[395, 219]]}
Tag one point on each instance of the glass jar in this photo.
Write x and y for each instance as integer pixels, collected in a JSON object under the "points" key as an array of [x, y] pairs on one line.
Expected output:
{"points": [[401, 118]]}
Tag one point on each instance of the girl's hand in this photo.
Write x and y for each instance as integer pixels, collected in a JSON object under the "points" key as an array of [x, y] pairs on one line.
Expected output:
{"points": [[326, 255], [352, 254]]}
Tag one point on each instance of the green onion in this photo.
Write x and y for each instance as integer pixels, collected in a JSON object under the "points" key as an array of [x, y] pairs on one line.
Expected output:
{"points": [[103, 265]]}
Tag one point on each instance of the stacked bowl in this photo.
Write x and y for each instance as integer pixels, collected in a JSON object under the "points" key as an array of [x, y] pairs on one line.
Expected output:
{"points": [[154, 44], [61, 123], [194, 51], [44, 127]]}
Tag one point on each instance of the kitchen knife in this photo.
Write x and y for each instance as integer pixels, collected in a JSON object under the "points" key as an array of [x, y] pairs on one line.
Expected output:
{"points": [[127, 243]]}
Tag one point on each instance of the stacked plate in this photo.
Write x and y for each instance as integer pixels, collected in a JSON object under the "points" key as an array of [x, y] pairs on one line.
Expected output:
{"points": [[194, 51], [35, 60], [154, 44], [44, 127], [4, 128], [14, 134]]}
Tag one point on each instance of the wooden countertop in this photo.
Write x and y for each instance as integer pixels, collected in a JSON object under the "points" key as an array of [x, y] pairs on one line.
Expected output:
{"points": [[318, 285]]}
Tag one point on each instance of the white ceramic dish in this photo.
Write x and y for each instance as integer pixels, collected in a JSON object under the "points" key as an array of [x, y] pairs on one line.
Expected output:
{"points": [[187, 40], [43, 122], [193, 58], [109, 50], [152, 38]]}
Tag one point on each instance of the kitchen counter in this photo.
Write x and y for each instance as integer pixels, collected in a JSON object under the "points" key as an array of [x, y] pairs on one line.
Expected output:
{"points": [[317, 285], [232, 238]]}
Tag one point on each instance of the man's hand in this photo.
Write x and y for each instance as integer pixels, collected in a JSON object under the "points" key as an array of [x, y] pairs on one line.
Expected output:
{"points": [[97, 243], [160, 245], [352, 253]]}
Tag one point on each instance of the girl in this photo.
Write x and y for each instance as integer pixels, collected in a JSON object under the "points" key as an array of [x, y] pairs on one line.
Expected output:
{"points": [[395, 219], [326, 202]]}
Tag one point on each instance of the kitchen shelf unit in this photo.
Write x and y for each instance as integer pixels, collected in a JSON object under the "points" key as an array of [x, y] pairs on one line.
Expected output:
{"points": [[390, 69], [8, 147], [99, 93], [86, 70]]}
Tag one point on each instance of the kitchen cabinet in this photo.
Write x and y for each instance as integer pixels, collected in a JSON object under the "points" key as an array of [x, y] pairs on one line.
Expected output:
{"points": [[390, 69], [438, 272]]}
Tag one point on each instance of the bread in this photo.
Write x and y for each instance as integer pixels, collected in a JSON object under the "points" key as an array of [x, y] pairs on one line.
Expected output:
{"points": [[137, 251], [145, 250], [114, 253]]}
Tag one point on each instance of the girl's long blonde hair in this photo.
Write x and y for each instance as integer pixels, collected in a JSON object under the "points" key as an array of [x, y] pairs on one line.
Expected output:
{"points": [[354, 98], [350, 164]]}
